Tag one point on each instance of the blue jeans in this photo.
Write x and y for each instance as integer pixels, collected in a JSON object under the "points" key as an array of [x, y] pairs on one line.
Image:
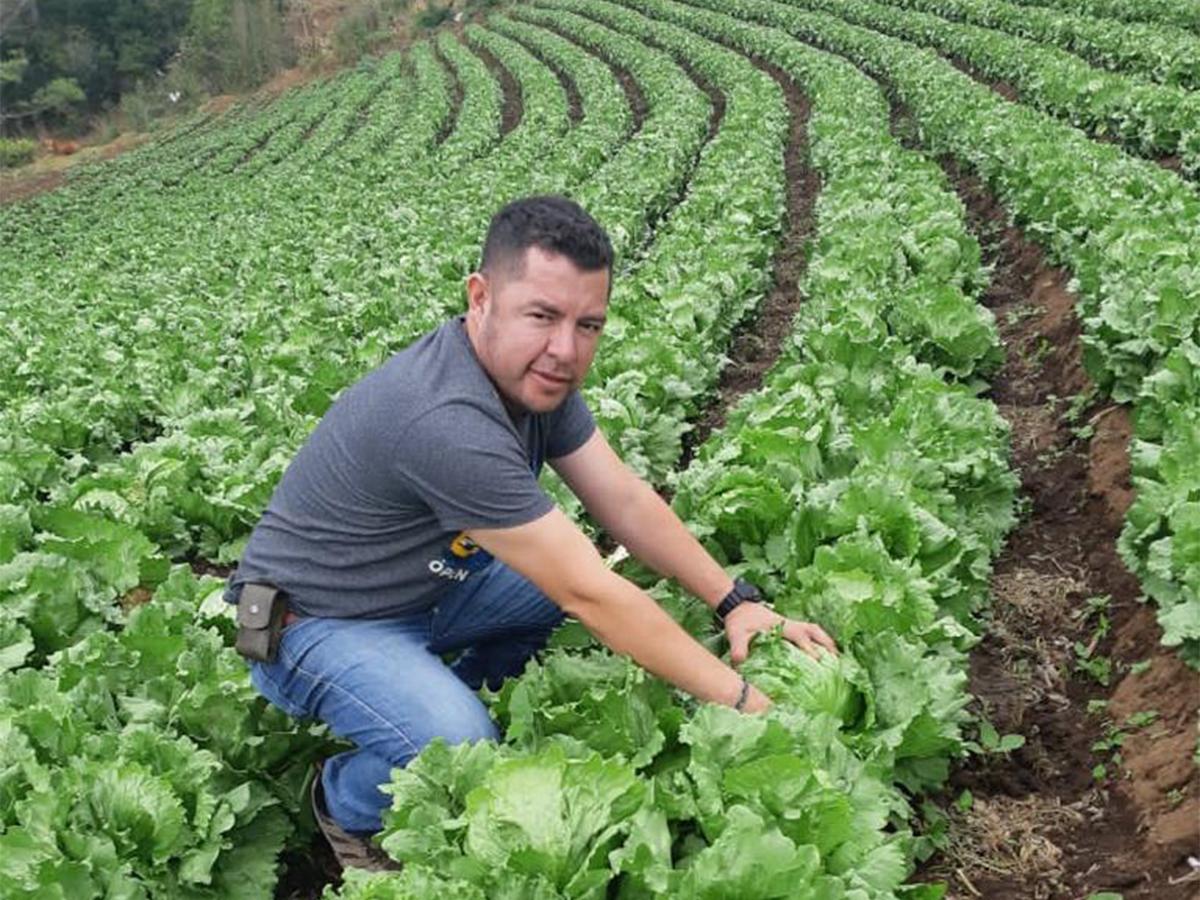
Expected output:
{"points": [[382, 683]]}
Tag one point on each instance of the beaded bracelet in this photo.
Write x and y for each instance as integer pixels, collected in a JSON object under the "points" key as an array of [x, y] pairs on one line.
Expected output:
{"points": [[743, 696]]}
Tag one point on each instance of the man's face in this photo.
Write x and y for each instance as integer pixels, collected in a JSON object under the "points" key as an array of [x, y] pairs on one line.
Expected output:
{"points": [[535, 330]]}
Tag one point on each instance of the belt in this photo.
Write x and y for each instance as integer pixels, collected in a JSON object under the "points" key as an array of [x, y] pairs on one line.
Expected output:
{"points": [[289, 617]]}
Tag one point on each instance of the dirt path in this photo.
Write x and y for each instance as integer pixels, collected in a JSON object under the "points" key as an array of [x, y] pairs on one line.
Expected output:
{"points": [[1095, 800], [633, 93], [51, 172]]}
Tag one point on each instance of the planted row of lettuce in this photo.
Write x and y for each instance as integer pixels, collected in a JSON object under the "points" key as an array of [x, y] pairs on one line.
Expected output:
{"points": [[867, 488], [1161, 539], [1181, 13], [1128, 230], [1156, 51], [1152, 119]]}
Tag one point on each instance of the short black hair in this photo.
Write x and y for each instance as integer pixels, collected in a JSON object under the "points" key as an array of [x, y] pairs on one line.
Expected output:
{"points": [[554, 223]]}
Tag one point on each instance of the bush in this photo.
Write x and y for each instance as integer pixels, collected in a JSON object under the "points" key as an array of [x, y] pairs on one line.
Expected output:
{"points": [[16, 152], [433, 16]]}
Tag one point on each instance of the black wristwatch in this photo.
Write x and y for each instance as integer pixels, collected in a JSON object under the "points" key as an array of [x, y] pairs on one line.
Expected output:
{"points": [[741, 592]]}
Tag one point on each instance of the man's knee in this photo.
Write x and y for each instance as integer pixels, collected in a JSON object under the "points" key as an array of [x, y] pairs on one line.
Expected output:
{"points": [[462, 722]]}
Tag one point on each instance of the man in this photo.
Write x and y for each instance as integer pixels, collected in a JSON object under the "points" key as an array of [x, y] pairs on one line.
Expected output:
{"points": [[411, 526]]}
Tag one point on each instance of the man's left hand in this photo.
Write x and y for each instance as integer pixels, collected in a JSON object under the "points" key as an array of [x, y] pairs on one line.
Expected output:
{"points": [[749, 619]]}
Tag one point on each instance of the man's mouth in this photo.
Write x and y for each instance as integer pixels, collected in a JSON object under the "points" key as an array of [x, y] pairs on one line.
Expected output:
{"points": [[556, 380]]}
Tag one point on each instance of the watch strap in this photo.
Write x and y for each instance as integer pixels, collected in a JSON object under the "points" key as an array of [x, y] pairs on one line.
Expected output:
{"points": [[741, 592]]}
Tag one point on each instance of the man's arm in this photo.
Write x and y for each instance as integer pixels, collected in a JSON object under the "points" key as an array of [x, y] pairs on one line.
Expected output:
{"points": [[637, 517], [556, 556]]}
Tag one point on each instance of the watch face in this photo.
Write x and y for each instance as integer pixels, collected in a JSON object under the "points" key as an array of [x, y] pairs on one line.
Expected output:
{"points": [[745, 590]]}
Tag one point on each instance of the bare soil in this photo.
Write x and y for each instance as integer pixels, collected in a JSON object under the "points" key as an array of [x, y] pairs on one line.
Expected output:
{"points": [[513, 106], [456, 97], [1045, 821], [574, 101], [758, 341], [633, 92]]}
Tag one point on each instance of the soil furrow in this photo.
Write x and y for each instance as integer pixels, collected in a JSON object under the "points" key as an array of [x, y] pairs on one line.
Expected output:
{"points": [[758, 341], [513, 106], [1046, 821], [637, 101], [264, 140], [574, 100], [456, 98], [633, 92]]}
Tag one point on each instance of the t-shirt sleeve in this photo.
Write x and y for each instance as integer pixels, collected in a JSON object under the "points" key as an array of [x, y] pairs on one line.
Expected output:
{"points": [[570, 427], [470, 468]]}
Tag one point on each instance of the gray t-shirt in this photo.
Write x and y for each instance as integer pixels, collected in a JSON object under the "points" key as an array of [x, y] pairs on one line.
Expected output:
{"points": [[369, 518]]}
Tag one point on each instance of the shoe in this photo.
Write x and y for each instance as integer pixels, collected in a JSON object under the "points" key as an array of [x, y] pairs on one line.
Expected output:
{"points": [[352, 852]]}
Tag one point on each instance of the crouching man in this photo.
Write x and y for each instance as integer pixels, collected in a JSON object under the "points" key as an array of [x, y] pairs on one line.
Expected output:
{"points": [[411, 526]]}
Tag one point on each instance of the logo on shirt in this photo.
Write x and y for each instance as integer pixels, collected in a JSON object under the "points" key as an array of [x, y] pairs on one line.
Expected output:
{"points": [[462, 558]]}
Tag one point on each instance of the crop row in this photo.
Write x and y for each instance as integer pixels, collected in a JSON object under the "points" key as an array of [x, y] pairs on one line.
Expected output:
{"points": [[1182, 13], [1161, 53], [1154, 119], [1161, 539]]}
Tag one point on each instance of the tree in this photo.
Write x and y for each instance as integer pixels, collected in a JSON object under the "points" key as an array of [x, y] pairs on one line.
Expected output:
{"points": [[56, 97]]}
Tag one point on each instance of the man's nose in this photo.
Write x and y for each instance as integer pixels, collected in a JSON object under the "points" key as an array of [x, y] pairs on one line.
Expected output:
{"points": [[562, 342]]}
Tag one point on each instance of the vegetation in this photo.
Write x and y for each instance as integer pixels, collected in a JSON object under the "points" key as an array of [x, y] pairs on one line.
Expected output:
{"points": [[16, 151], [163, 362]]}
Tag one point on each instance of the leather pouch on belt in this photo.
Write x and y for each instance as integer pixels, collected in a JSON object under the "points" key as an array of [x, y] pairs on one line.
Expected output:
{"points": [[260, 612]]}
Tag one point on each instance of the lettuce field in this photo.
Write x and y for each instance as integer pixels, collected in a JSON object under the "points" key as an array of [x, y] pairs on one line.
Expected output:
{"points": [[906, 323]]}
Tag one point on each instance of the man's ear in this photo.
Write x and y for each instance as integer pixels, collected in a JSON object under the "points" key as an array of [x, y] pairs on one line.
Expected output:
{"points": [[478, 293]]}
